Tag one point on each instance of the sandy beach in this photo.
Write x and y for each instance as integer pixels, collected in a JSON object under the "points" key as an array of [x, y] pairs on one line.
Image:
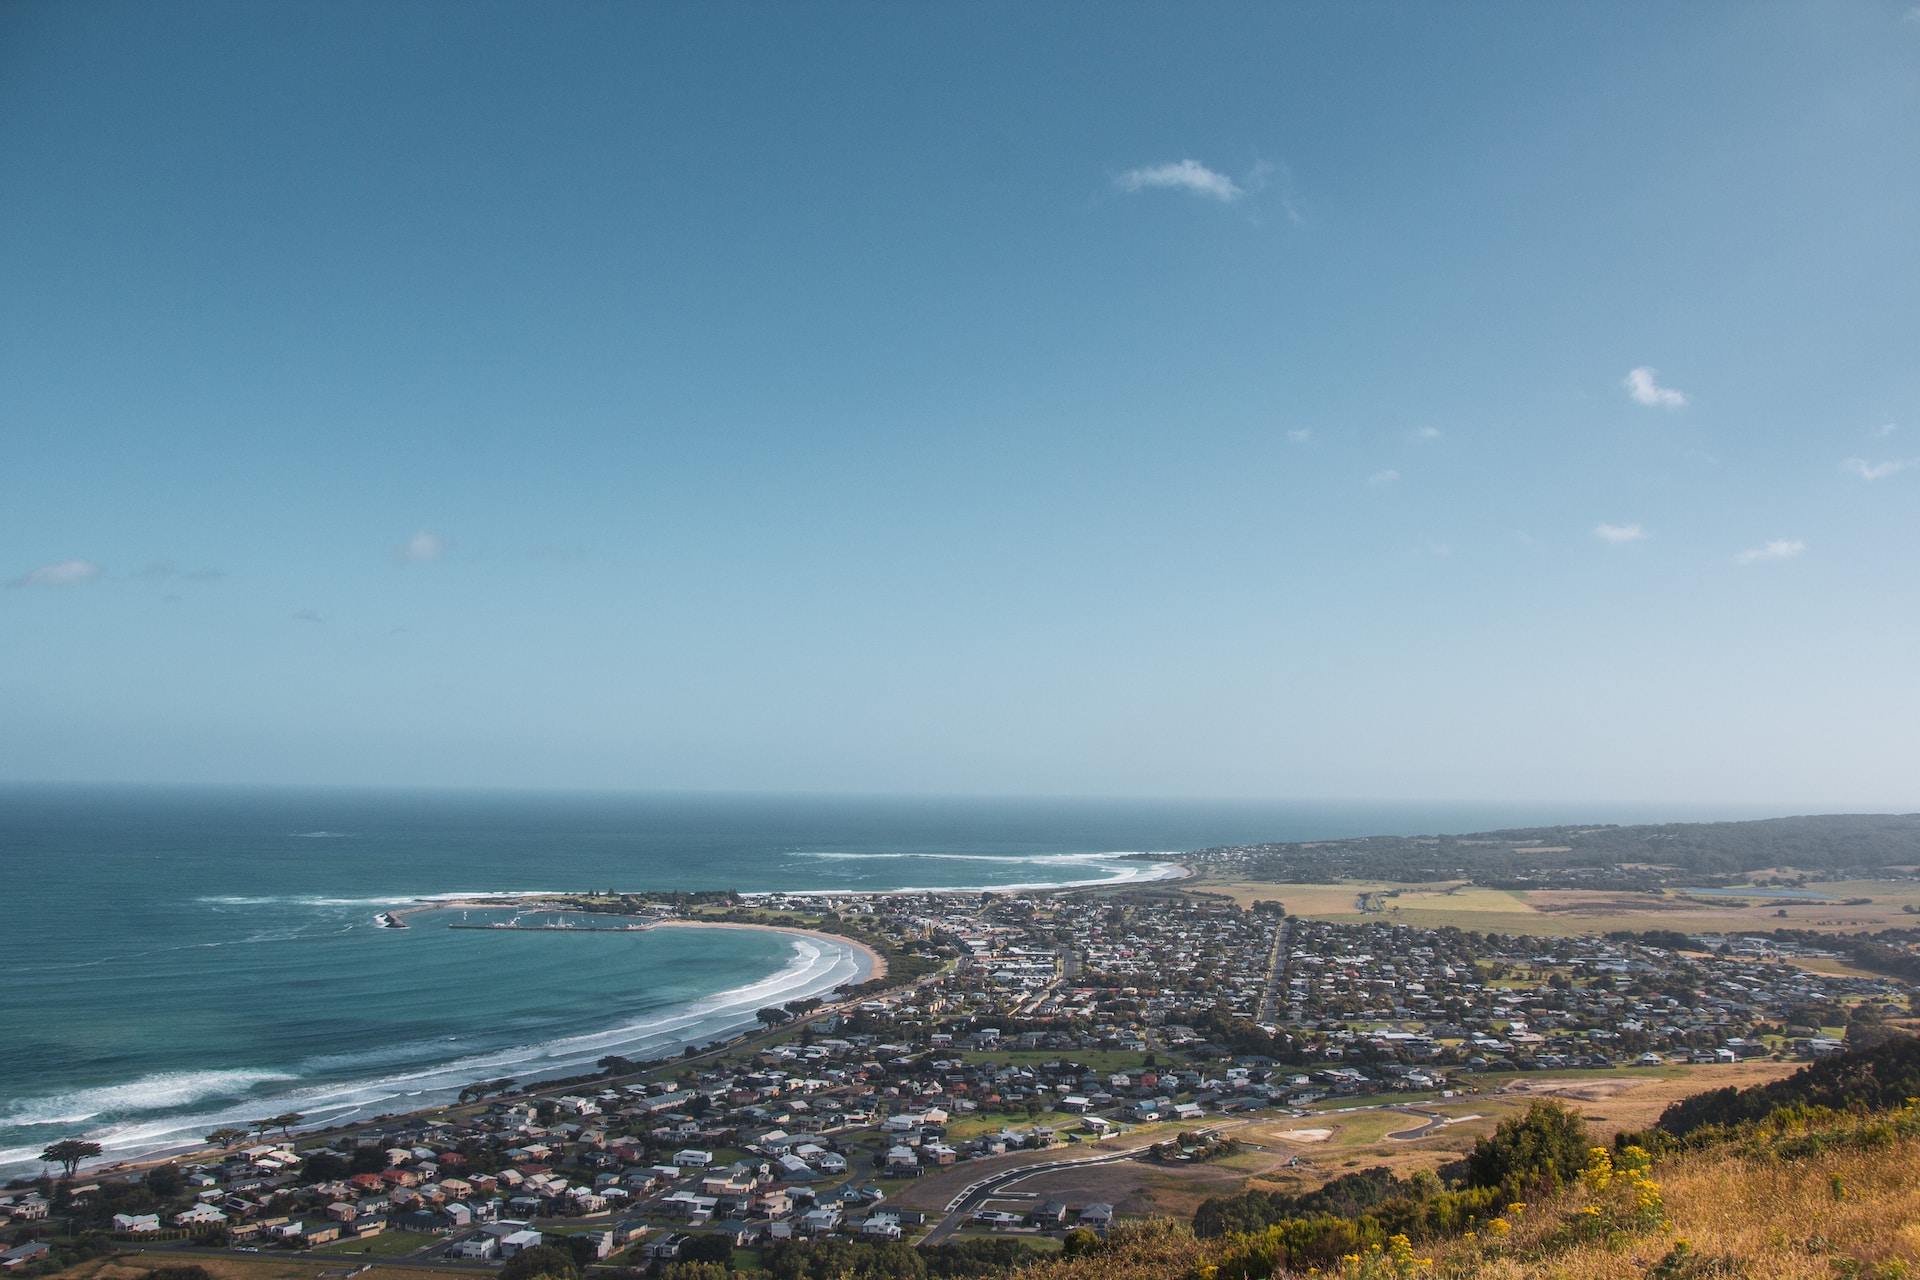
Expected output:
{"points": [[877, 964]]}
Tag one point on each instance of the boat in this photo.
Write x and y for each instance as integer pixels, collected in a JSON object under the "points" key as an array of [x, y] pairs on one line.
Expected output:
{"points": [[388, 920]]}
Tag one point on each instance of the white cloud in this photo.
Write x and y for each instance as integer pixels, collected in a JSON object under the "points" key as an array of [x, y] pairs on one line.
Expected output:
{"points": [[1877, 470], [1778, 549], [63, 573], [1427, 433], [1383, 477], [1301, 436], [1886, 429], [1912, 16], [1185, 175], [421, 546], [1619, 534], [1645, 390]]}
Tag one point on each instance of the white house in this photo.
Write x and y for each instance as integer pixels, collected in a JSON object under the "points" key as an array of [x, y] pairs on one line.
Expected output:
{"points": [[510, 1245], [199, 1215], [691, 1159], [136, 1223]]}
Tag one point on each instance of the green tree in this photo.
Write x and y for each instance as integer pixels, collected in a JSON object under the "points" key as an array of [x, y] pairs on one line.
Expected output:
{"points": [[771, 1016], [69, 1153], [285, 1122], [1080, 1240], [1531, 1153], [224, 1138], [541, 1260], [695, 1271]]}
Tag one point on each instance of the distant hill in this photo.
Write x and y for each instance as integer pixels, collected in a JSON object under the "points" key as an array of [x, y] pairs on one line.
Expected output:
{"points": [[1617, 857]]}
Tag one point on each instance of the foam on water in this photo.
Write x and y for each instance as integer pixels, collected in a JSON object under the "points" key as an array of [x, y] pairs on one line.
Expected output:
{"points": [[156, 1113]]}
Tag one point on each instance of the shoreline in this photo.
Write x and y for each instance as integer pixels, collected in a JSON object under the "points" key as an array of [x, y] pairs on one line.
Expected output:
{"points": [[876, 963]]}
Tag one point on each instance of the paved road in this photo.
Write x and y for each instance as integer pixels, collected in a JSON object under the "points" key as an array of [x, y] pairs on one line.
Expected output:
{"points": [[1434, 1121], [1269, 1013], [961, 1207]]}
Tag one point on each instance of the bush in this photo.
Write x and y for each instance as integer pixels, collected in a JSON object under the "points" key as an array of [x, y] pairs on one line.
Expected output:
{"points": [[708, 1248], [1531, 1154], [1875, 1078], [541, 1260], [192, 1271]]}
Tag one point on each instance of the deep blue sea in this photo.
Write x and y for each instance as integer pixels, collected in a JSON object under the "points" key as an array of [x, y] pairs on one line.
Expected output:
{"points": [[176, 960]]}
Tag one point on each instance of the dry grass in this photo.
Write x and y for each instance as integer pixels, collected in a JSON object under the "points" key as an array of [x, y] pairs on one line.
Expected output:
{"points": [[1573, 912], [1761, 1219]]}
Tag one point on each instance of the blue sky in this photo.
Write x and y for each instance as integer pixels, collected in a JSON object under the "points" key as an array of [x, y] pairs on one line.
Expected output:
{"points": [[1491, 402]]}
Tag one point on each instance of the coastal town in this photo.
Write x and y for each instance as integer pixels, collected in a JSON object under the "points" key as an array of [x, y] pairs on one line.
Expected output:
{"points": [[1014, 1033]]}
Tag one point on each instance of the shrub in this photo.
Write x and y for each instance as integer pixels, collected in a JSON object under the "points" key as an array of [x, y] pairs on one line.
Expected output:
{"points": [[1531, 1154], [541, 1260]]}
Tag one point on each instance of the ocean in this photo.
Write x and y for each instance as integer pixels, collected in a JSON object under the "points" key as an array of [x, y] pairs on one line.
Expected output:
{"points": [[178, 960]]}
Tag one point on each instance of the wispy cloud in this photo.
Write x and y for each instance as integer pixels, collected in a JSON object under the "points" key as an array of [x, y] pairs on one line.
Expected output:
{"points": [[1643, 386], [308, 615], [1877, 470], [61, 573], [420, 547], [1619, 534], [1886, 429], [1383, 477], [1301, 436], [1184, 175], [1778, 549], [1426, 433]]}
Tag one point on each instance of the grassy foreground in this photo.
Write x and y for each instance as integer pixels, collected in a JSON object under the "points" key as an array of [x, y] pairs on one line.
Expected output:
{"points": [[1813, 1196]]}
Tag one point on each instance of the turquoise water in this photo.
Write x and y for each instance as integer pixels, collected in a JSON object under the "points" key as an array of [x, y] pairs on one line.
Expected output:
{"points": [[178, 960]]}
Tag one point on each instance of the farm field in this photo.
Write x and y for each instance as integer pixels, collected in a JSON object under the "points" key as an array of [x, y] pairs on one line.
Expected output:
{"points": [[1567, 912]]}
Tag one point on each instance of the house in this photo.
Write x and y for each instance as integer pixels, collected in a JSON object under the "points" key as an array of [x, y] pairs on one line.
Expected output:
{"points": [[602, 1243], [880, 1226], [313, 1233], [818, 1222], [21, 1254], [1049, 1214], [136, 1223], [512, 1244], [665, 1249], [341, 1211], [1097, 1215], [200, 1215], [902, 1160], [481, 1248], [30, 1207], [691, 1159]]}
